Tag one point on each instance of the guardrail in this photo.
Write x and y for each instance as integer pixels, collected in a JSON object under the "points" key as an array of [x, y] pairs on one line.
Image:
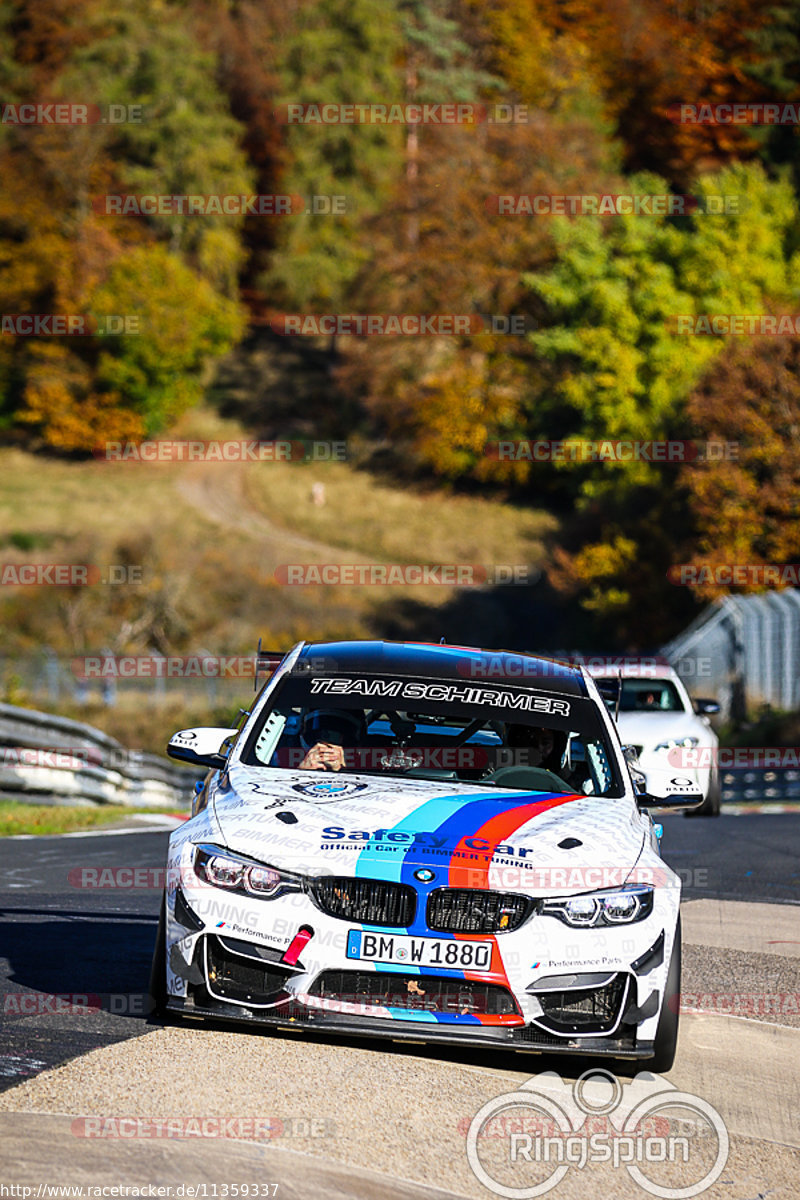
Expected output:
{"points": [[59, 760]]}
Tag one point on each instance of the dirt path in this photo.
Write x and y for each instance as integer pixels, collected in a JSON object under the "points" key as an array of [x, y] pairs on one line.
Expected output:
{"points": [[218, 492]]}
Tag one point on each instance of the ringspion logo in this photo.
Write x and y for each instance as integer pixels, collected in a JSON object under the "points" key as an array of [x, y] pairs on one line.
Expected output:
{"points": [[537, 1134]]}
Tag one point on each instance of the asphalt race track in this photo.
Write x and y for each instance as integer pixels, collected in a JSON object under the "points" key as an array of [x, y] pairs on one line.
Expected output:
{"points": [[361, 1118]]}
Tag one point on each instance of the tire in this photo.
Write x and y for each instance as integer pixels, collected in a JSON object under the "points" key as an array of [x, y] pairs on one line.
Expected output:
{"points": [[666, 1040], [157, 988], [713, 802]]}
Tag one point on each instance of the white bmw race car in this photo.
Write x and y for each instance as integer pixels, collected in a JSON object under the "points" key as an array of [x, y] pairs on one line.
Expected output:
{"points": [[427, 843]]}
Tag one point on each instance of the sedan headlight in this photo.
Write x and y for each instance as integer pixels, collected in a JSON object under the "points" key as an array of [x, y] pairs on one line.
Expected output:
{"points": [[620, 907], [687, 743], [236, 873]]}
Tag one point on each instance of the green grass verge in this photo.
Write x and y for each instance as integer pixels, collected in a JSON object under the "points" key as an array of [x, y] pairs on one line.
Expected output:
{"points": [[17, 817]]}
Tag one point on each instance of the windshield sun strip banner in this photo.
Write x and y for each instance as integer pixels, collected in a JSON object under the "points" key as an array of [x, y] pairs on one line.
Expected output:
{"points": [[442, 692]]}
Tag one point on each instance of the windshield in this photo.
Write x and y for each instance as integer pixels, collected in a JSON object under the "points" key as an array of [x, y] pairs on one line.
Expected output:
{"points": [[650, 695], [432, 729]]}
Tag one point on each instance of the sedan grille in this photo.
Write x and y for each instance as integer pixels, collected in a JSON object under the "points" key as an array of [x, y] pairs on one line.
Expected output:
{"points": [[468, 910], [367, 901]]}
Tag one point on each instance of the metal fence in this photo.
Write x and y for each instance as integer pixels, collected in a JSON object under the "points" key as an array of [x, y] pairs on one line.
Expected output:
{"points": [[46, 679], [743, 651]]}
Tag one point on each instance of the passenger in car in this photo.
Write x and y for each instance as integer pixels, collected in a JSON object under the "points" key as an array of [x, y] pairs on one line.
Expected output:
{"points": [[536, 746]]}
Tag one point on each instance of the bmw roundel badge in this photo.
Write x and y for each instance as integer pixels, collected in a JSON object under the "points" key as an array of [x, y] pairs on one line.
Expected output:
{"points": [[425, 875]]}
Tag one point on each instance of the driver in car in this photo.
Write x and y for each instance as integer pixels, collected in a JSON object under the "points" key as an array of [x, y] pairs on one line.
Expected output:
{"points": [[536, 746], [325, 733]]}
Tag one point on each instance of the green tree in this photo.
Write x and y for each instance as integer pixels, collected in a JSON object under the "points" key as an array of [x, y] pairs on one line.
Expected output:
{"points": [[186, 141], [613, 295], [343, 51], [776, 66], [182, 323], [623, 371]]}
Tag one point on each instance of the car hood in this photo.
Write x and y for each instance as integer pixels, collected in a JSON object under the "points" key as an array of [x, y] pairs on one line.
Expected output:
{"points": [[649, 728], [356, 824]]}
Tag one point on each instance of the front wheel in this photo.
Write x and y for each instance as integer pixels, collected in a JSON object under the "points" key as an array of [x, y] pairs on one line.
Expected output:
{"points": [[713, 802], [157, 989], [666, 1041]]}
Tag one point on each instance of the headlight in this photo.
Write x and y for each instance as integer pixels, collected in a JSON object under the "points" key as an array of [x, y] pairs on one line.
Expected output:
{"points": [[687, 743], [238, 874], [621, 907]]}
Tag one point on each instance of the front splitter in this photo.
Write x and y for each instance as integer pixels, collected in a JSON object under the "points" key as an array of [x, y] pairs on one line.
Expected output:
{"points": [[294, 1018]]}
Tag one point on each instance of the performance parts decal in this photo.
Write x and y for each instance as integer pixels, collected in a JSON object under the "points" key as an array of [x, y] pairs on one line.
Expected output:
{"points": [[441, 692]]}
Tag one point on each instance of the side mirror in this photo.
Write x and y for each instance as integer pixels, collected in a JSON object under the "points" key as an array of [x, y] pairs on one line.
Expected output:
{"points": [[200, 747], [681, 794], [705, 708], [638, 776]]}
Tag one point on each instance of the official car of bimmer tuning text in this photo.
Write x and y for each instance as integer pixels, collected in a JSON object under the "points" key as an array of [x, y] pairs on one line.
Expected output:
{"points": [[425, 842]]}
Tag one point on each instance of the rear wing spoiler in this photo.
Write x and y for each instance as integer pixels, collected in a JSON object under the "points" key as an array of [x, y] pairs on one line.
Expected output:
{"points": [[611, 692], [267, 663]]}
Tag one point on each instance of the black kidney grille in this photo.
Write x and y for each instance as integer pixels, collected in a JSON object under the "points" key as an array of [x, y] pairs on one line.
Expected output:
{"points": [[368, 901], [470, 910]]}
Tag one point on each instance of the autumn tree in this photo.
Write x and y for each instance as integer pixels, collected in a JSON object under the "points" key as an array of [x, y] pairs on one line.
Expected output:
{"points": [[745, 500], [648, 57], [61, 254], [441, 400]]}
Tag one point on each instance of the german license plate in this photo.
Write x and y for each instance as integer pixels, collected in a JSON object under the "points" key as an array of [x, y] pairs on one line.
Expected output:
{"points": [[406, 950]]}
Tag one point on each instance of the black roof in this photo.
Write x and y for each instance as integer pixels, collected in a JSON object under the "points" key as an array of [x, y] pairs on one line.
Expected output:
{"points": [[422, 660]]}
